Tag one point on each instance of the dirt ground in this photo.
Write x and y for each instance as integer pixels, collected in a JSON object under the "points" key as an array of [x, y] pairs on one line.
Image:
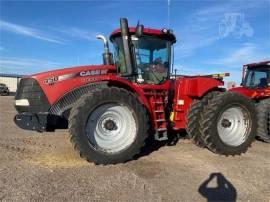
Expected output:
{"points": [[43, 166]]}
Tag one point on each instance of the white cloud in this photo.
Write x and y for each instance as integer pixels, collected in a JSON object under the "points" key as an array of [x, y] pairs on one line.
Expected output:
{"points": [[190, 44], [26, 65], [248, 53], [201, 28], [235, 59], [27, 31], [80, 33]]}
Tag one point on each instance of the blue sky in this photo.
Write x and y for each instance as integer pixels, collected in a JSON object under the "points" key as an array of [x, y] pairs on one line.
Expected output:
{"points": [[212, 36]]}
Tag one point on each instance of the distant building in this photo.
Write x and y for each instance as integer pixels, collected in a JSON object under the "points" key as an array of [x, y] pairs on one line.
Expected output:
{"points": [[11, 80]]}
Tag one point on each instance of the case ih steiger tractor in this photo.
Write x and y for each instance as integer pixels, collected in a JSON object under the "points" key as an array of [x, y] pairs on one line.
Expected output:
{"points": [[112, 109], [256, 86]]}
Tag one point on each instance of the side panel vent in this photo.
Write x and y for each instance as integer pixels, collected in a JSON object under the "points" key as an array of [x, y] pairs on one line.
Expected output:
{"points": [[68, 100]]}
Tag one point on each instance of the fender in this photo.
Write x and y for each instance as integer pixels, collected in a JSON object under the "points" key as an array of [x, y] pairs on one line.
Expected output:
{"points": [[67, 100], [198, 86], [250, 93], [186, 90]]}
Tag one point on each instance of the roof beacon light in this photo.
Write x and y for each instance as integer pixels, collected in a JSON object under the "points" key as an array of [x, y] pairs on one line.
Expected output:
{"points": [[165, 31]]}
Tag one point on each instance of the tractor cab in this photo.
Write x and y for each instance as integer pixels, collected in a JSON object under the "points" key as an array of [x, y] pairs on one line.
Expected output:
{"points": [[256, 75], [143, 55], [255, 81]]}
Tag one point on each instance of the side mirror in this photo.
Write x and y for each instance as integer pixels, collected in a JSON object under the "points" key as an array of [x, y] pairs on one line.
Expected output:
{"points": [[139, 31]]}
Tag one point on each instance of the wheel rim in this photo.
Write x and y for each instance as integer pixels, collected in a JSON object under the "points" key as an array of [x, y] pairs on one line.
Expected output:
{"points": [[234, 126], [111, 128]]}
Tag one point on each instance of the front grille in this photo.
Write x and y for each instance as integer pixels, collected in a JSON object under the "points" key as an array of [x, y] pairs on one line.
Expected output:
{"points": [[29, 88]]}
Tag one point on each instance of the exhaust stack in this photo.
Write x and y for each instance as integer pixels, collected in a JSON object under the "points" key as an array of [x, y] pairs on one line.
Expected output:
{"points": [[107, 56], [127, 46]]}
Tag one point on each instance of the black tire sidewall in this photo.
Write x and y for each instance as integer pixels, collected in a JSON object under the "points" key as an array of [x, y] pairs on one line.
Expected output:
{"points": [[228, 102], [105, 96], [263, 109]]}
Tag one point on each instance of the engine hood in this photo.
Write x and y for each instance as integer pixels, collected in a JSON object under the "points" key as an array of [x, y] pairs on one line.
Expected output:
{"points": [[56, 83], [86, 70]]}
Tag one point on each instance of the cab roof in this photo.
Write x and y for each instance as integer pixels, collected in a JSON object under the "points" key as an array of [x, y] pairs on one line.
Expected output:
{"points": [[147, 31], [258, 64]]}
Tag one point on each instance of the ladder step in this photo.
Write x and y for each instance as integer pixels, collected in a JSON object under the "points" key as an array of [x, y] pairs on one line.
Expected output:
{"points": [[154, 93], [161, 136], [161, 129], [159, 111], [158, 102], [160, 120]]}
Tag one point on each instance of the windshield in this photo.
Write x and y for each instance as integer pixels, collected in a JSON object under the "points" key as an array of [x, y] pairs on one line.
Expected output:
{"points": [[151, 56], [257, 77]]}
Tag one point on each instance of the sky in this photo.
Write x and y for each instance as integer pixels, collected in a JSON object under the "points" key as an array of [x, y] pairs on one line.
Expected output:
{"points": [[213, 36]]}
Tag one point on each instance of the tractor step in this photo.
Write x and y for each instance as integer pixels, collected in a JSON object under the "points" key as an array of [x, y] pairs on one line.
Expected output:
{"points": [[154, 93], [160, 120], [158, 102], [159, 111], [161, 129], [161, 136]]}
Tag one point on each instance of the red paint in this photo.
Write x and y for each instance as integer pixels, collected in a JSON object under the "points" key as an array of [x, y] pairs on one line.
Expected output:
{"points": [[146, 31], [132, 30], [58, 89], [258, 64], [253, 93], [153, 97], [187, 89]]}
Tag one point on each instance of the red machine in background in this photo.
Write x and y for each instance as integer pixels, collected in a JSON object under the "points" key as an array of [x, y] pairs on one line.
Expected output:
{"points": [[256, 86], [111, 109]]}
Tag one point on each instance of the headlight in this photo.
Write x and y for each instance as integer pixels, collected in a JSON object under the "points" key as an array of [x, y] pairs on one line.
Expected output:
{"points": [[22, 102]]}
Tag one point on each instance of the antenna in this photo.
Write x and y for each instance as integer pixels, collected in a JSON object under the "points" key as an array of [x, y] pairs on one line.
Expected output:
{"points": [[168, 17]]}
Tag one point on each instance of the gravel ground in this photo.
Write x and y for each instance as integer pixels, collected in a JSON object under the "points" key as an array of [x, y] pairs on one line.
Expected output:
{"points": [[43, 166]]}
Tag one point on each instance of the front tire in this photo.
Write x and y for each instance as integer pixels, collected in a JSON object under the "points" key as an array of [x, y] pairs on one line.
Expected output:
{"points": [[229, 124], [263, 110], [108, 126]]}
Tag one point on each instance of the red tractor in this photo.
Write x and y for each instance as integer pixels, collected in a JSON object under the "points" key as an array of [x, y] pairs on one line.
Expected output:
{"points": [[256, 86], [112, 109]]}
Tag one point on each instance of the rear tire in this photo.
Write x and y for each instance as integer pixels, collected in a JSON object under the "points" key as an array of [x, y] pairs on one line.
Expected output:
{"points": [[263, 111], [228, 124], [193, 118], [108, 126]]}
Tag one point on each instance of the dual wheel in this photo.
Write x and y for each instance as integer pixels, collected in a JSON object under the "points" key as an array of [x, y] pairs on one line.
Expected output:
{"points": [[224, 122], [110, 125], [263, 111]]}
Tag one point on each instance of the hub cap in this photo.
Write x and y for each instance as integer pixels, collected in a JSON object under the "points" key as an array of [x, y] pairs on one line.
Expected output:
{"points": [[233, 126], [111, 128]]}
